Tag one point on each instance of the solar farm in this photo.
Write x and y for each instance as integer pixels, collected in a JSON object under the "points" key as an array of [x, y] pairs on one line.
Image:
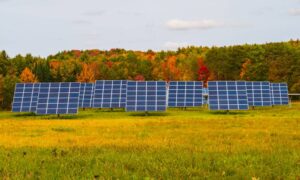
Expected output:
{"points": [[148, 96], [150, 129]]}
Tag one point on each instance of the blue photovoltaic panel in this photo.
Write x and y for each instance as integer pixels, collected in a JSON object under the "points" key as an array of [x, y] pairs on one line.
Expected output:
{"points": [[86, 95], [227, 95], [58, 98], [146, 96], [185, 94], [110, 94], [279, 93], [25, 97], [259, 93]]}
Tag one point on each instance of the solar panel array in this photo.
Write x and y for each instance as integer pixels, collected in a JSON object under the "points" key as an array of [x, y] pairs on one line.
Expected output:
{"points": [[185, 94], [86, 95], [259, 93], [110, 94], [146, 96], [25, 97], [66, 98], [227, 95], [279, 93], [58, 98]]}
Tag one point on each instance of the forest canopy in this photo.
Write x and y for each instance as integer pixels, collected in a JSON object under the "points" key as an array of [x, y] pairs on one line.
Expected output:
{"points": [[275, 62]]}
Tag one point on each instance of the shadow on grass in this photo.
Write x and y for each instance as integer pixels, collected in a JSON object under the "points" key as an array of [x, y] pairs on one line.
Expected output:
{"points": [[108, 110], [229, 112], [189, 109], [151, 114], [30, 114], [63, 117]]}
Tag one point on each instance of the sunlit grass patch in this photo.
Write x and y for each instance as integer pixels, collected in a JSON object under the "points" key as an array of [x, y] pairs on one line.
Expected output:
{"points": [[177, 144], [63, 129]]}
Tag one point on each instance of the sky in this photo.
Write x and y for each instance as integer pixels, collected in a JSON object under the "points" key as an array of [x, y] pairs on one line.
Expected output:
{"points": [[44, 27]]}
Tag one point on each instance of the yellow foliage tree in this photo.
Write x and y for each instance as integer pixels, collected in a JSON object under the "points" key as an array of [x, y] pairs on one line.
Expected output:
{"points": [[245, 68], [87, 74], [27, 76]]}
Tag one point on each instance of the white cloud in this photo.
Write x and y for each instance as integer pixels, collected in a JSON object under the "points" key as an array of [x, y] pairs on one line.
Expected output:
{"points": [[80, 21], [174, 45], [94, 13], [176, 24], [294, 12]]}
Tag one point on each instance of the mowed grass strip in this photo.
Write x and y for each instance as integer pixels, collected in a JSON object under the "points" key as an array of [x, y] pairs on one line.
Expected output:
{"points": [[262, 143]]}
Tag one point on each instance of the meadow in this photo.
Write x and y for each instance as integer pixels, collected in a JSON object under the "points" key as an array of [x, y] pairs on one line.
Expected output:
{"points": [[180, 144]]}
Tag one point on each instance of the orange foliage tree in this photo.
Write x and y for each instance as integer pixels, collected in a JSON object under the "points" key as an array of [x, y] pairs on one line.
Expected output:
{"points": [[244, 70], [55, 70], [87, 74], [170, 71], [27, 76]]}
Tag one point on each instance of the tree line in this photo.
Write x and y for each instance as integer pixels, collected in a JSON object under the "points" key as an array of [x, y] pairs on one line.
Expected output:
{"points": [[275, 62]]}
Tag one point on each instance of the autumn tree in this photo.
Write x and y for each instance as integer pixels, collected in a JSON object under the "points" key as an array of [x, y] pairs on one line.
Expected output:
{"points": [[203, 72], [170, 71], [139, 78], [55, 70], [27, 76], [86, 74], [69, 70], [244, 71], [95, 68]]}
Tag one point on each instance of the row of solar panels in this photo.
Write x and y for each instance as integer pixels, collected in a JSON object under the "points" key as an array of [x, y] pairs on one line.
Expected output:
{"points": [[66, 98]]}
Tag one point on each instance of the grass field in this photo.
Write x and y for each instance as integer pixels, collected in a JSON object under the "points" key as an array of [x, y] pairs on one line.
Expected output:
{"points": [[196, 143]]}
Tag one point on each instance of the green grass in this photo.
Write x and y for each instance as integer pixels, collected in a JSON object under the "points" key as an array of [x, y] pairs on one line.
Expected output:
{"points": [[194, 144]]}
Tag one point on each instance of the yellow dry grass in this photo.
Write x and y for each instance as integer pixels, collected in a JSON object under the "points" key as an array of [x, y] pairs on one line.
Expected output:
{"points": [[203, 131]]}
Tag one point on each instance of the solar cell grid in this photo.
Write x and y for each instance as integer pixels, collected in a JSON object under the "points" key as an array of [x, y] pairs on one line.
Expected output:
{"points": [[279, 92], [146, 96], [259, 93], [25, 97], [86, 95], [110, 94], [58, 98], [227, 95], [185, 94]]}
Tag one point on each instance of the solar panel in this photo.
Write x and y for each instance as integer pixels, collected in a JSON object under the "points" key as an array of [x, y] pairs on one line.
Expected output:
{"points": [[58, 98], [227, 95], [146, 96], [86, 95], [110, 94], [185, 94], [25, 97], [279, 93], [259, 93]]}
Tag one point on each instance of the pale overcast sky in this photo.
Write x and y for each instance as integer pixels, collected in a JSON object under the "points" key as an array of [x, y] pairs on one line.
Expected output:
{"points": [[44, 27]]}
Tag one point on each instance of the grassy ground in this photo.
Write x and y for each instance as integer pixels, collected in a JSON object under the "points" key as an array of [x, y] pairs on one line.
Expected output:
{"points": [[196, 143]]}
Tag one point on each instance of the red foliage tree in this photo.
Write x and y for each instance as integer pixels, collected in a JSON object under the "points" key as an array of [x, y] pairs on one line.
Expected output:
{"points": [[109, 64], [77, 53], [94, 52], [203, 72], [139, 78]]}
